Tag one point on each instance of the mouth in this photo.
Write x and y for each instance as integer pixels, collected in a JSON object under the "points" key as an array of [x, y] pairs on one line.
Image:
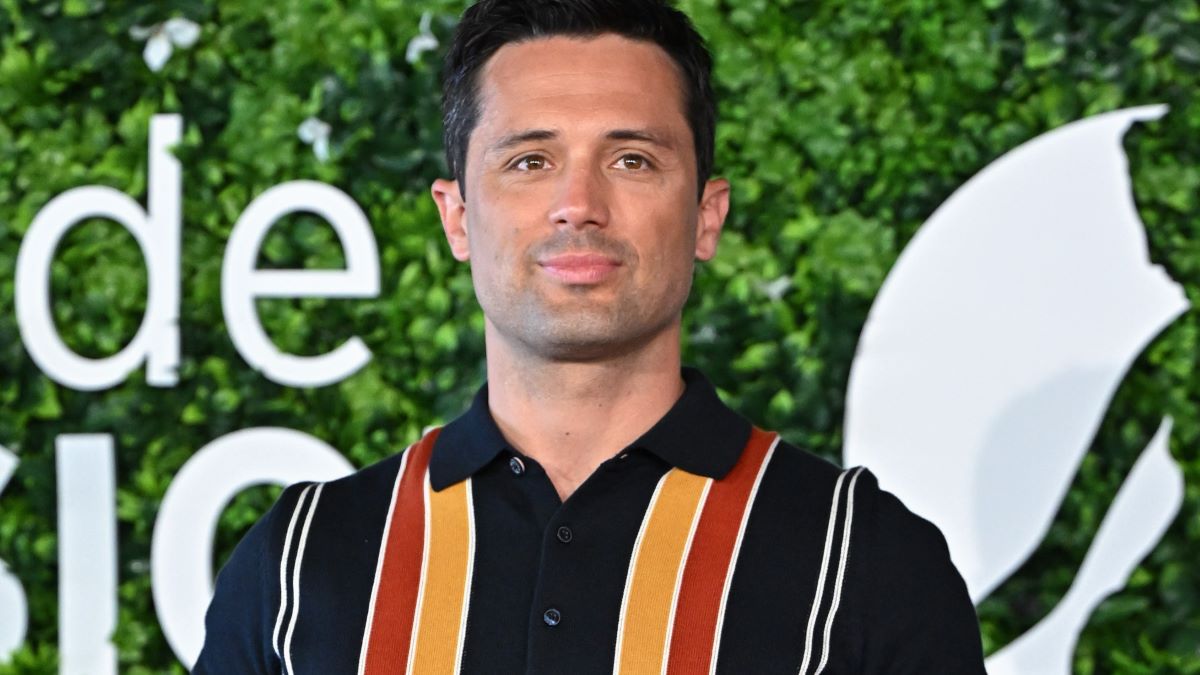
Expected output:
{"points": [[579, 269]]}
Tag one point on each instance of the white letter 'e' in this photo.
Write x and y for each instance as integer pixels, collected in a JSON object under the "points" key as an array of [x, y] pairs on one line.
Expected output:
{"points": [[157, 233], [242, 282]]}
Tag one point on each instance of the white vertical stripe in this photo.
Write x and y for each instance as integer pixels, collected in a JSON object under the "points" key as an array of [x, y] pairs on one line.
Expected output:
{"points": [[837, 589], [291, 630], [466, 603], [687, 548], [387, 528], [737, 548], [820, 593], [637, 547], [287, 550], [427, 490]]}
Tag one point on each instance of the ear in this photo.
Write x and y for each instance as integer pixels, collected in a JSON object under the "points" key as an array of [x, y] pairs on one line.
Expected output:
{"points": [[714, 206], [454, 216]]}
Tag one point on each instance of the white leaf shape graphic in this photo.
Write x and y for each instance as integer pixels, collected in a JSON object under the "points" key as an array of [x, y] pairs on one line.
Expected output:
{"points": [[1138, 518], [999, 338], [13, 609]]}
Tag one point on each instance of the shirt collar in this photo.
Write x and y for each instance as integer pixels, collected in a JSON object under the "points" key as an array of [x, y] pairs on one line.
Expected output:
{"points": [[699, 434]]}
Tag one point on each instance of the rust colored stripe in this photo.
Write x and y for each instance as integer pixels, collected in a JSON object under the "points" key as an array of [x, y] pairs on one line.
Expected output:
{"points": [[399, 580], [654, 573], [446, 583], [710, 559]]}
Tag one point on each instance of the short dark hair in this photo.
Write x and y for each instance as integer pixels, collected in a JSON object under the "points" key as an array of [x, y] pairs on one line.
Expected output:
{"points": [[488, 25]]}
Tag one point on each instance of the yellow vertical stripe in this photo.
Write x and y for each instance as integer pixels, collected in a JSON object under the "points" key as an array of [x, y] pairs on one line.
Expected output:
{"points": [[446, 581], [654, 572]]}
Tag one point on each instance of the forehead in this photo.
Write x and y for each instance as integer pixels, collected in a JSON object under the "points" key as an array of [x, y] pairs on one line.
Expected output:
{"points": [[579, 82]]}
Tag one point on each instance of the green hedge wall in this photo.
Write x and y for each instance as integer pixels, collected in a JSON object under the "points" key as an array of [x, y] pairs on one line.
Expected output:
{"points": [[844, 125]]}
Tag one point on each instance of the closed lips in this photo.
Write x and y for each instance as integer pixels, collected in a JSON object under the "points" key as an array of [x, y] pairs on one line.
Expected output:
{"points": [[579, 267]]}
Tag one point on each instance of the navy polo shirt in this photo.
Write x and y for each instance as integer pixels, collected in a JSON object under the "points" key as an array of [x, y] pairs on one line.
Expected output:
{"points": [[705, 544]]}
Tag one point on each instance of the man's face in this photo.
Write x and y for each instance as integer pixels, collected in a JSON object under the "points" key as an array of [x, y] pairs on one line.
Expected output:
{"points": [[581, 220]]}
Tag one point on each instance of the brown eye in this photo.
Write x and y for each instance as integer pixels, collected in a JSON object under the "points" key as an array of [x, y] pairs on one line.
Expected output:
{"points": [[531, 163], [632, 162]]}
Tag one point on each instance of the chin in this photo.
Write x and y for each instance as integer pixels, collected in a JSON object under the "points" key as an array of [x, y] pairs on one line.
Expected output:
{"points": [[590, 338], [580, 329], [579, 345]]}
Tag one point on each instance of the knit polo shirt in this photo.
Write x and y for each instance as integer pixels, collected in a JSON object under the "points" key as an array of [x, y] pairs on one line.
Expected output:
{"points": [[707, 545]]}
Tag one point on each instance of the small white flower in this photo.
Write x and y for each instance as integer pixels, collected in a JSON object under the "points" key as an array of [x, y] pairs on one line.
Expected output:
{"points": [[775, 289], [316, 133], [162, 38], [423, 41], [705, 335]]}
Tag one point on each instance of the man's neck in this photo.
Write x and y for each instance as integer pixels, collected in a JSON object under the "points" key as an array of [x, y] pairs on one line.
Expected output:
{"points": [[572, 416]]}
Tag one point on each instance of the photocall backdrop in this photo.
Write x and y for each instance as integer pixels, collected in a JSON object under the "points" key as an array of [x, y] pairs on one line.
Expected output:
{"points": [[844, 127]]}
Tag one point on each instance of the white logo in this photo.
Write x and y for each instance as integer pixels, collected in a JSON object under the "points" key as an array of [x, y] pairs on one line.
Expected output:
{"points": [[991, 354]]}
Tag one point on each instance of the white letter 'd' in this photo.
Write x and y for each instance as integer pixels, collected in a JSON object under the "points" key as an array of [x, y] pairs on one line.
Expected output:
{"points": [[157, 233], [242, 282]]}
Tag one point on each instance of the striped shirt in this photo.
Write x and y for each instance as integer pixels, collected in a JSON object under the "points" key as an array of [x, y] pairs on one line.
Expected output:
{"points": [[705, 546]]}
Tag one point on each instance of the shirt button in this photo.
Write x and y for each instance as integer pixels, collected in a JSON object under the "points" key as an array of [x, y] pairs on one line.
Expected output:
{"points": [[517, 466], [552, 617], [565, 535]]}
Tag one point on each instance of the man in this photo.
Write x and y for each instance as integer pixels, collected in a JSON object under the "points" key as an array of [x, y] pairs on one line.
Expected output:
{"points": [[597, 509]]}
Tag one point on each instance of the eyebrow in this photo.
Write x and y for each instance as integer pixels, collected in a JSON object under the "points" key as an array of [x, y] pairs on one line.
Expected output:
{"points": [[644, 135], [512, 140]]}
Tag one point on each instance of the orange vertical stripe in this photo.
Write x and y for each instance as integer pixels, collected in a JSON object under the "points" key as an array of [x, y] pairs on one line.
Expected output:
{"points": [[701, 593], [654, 572], [395, 598], [446, 581]]}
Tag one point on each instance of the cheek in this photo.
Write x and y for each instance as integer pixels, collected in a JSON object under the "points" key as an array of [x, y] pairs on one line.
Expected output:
{"points": [[496, 251], [673, 236], [667, 259]]}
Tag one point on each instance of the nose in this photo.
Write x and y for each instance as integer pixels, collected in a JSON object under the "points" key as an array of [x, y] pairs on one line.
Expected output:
{"points": [[581, 200]]}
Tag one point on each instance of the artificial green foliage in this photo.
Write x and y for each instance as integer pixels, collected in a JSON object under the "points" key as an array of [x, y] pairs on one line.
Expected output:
{"points": [[843, 127]]}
